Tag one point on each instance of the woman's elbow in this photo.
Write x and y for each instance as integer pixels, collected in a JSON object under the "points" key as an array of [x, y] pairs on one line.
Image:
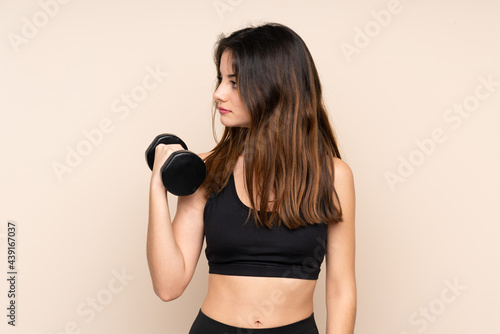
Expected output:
{"points": [[168, 294]]}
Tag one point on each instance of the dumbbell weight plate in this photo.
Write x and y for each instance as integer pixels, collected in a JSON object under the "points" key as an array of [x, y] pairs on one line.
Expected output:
{"points": [[183, 173]]}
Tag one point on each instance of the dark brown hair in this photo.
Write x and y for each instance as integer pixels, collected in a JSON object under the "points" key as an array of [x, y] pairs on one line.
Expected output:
{"points": [[289, 147]]}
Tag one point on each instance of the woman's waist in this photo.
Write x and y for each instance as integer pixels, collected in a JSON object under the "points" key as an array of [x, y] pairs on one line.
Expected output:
{"points": [[258, 302]]}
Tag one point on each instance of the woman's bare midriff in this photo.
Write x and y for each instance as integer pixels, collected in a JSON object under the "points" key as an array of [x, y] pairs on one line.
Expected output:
{"points": [[258, 302]]}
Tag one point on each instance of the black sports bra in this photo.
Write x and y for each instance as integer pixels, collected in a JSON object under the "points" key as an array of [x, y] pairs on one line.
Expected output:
{"points": [[235, 248]]}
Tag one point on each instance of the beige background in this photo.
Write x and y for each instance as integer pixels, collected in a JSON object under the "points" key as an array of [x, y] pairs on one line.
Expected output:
{"points": [[79, 231]]}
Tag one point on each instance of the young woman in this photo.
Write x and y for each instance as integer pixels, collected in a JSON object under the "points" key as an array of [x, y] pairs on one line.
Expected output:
{"points": [[277, 199]]}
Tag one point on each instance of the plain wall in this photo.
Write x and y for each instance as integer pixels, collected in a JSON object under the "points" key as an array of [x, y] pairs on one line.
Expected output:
{"points": [[412, 90]]}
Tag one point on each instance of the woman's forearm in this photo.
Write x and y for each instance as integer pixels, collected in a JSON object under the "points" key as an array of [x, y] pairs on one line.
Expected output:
{"points": [[165, 261], [341, 314]]}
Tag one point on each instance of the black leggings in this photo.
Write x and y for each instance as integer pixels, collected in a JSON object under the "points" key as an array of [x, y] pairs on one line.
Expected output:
{"points": [[205, 325]]}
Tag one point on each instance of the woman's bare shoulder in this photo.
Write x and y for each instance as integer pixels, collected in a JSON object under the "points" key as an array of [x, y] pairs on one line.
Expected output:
{"points": [[342, 169], [344, 183], [203, 156]]}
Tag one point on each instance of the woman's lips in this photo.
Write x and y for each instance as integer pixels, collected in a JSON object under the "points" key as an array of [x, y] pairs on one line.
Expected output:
{"points": [[224, 111]]}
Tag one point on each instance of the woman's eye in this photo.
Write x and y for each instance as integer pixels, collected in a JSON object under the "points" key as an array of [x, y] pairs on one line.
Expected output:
{"points": [[234, 85]]}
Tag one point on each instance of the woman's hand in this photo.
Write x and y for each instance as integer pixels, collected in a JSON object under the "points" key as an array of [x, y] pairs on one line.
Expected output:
{"points": [[162, 152]]}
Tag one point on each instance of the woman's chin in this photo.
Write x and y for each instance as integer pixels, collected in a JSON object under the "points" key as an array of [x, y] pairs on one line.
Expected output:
{"points": [[231, 124]]}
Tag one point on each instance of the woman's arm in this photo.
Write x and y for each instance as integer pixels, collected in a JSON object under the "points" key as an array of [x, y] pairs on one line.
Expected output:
{"points": [[340, 276], [173, 248]]}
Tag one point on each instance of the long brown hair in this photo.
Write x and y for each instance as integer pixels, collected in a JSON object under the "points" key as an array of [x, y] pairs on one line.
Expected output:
{"points": [[289, 147]]}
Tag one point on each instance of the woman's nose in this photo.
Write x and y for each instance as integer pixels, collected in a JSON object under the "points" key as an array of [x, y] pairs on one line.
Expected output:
{"points": [[220, 95]]}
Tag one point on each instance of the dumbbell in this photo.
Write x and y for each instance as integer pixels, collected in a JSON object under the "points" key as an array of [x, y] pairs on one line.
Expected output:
{"points": [[183, 171]]}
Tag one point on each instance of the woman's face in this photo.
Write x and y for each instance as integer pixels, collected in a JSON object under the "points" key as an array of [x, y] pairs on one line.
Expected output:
{"points": [[233, 112]]}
